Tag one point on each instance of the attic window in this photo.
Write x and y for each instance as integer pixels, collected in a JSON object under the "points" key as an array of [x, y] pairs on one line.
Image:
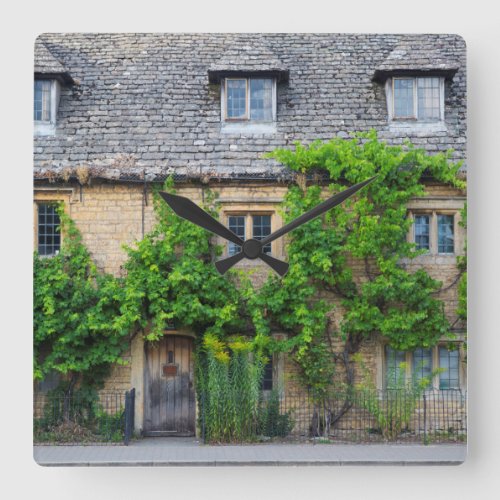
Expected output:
{"points": [[249, 100], [42, 108], [418, 99], [45, 104]]}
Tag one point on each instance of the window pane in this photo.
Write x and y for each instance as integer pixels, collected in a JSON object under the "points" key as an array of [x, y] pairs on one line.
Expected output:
{"points": [[394, 371], [267, 379], [449, 363], [236, 224], [42, 100], [429, 101], [422, 232], [236, 100], [261, 229], [261, 100], [49, 238], [422, 364], [403, 98], [445, 234]]}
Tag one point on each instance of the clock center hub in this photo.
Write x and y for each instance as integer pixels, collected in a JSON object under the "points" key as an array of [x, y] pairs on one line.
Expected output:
{"points": [[252, 249]]}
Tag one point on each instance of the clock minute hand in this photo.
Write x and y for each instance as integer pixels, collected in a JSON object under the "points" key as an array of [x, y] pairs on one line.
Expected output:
{"points": [[190, 211], [317, 211]]}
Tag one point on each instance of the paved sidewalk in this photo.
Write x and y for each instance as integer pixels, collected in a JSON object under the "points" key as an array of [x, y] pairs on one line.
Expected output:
{"points": [[188, 452]]}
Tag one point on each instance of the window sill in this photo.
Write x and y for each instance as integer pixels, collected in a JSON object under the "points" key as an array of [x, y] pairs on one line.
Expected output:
{"points": [[44, 128], [247, 264], [248, 127], [433, 258], [416, 126], [48, 256]]}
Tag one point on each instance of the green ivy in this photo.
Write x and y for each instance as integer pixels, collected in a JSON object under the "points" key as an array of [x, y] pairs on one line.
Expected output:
{"points": [[75, 332], [169, 282], [462, 266], [357, 253]]}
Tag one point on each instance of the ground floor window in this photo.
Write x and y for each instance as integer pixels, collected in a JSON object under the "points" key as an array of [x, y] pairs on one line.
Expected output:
{"points": [[420, 363], [267, 379], [247, 226], [48, 232]]}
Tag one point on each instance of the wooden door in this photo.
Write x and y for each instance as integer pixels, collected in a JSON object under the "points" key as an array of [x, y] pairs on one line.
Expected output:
{"points": [[169, 406]]}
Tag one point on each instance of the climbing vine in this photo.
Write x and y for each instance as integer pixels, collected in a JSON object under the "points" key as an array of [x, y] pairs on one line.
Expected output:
{"points": [[462, 266], [356, 258], [168, 281], [74, 308]]}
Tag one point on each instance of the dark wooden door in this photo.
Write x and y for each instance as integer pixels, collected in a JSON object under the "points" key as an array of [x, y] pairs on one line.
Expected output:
{"points": [[169, 406]]}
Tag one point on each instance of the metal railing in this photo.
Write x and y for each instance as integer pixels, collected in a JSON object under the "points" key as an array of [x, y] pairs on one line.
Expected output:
{"points": [[79, 418], [358, 416]]}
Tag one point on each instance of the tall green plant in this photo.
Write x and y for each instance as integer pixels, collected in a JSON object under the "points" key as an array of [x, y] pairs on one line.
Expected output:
{"points": [[229, 389]]}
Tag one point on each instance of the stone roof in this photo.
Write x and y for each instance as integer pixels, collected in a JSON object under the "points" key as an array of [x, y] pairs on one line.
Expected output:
{"points": [[143, 106], [47, 64], [418, 56]]}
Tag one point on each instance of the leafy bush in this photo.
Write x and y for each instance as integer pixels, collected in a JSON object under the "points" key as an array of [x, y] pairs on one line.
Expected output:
{"points": [[77, 418], [394, 407], [272, 423]]}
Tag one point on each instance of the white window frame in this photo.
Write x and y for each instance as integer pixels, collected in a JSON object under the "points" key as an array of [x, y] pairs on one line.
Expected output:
{"points": [[48, 127], [413, 119], [433, 230], [246, 120]]}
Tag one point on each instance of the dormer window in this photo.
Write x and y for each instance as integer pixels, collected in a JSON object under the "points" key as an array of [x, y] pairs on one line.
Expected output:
{"points": [[418, 99], [249, 99], [46, 99], [43, 90], [248, 104]]}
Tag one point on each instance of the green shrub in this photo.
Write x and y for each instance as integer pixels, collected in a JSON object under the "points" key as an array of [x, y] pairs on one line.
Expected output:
{"points": [[397, 405], [272, 423], [79, 417]]}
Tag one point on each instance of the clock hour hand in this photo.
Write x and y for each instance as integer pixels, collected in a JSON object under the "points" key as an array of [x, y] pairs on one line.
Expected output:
{"points": [[317, 211], [277, 265], [190, 211]]}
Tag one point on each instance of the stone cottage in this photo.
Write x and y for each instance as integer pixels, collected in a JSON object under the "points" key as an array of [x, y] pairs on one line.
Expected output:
{"points": [[116, 113]]}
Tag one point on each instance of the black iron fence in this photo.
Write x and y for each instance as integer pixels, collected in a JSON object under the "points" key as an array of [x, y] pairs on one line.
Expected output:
{"points": [[354, 416], [107, 417]]}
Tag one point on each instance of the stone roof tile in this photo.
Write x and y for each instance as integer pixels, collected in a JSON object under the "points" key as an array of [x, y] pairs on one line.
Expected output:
{"points": [[418, 56], [247, 56], [47, 64]]}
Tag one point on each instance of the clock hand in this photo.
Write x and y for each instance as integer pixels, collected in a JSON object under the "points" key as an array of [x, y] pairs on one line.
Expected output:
{"points": [[224, 265], [190, 211], [277, 265], [317, 210], [252, 249]]}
